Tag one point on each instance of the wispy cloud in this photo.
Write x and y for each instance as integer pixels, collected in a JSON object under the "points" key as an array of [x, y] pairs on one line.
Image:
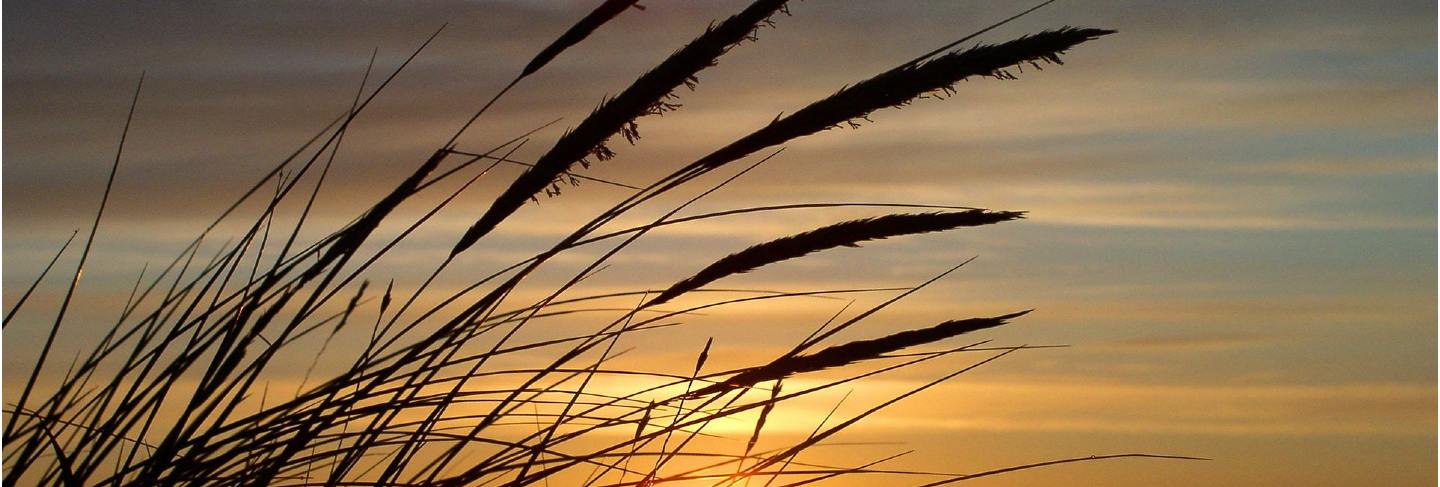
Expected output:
{"points": [[1263, 410], [1190, 342]]}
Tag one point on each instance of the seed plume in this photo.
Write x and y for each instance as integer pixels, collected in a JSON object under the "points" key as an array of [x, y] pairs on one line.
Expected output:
{"points": [[898, 87], [648, 95], [856, 351], [844, 234], [604, 13]]}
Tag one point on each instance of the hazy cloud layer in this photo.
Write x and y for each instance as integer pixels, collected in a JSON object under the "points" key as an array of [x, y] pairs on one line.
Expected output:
{"points": [[1231, 203]]}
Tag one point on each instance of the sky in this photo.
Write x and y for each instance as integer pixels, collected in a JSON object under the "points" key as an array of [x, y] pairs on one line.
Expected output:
{"points": [[1231, 217]]}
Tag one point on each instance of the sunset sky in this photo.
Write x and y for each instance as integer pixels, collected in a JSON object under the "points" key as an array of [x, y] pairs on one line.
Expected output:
{"points": [[1232, 215]]}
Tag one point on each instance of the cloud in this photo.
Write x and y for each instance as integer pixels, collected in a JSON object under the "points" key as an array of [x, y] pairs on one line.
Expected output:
{"points": [[1394, 409], [1192, 342]]}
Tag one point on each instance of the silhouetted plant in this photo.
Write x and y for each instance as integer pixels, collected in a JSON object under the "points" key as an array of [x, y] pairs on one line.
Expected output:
{"points": [[173, 394]]}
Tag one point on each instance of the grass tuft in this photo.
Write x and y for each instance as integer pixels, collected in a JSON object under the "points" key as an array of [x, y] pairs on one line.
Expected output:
{"points": [[464, 388]]}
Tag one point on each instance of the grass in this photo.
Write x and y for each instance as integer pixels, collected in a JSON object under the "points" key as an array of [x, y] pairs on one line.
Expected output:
{"points": [[445, 388]]}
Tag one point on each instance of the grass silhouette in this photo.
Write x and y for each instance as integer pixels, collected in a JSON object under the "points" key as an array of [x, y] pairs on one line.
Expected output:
{"points": [[174, 394]]}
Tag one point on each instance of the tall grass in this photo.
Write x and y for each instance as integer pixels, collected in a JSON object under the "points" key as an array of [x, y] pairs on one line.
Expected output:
{"points": [[444, 389]]}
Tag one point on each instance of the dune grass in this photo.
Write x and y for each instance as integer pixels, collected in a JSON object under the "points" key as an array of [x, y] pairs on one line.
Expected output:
{"points": [[175, 391]]}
